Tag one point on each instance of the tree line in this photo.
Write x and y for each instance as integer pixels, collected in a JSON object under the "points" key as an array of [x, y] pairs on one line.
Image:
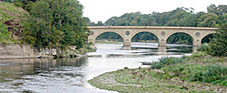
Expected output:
{"points": [[184, 17]]}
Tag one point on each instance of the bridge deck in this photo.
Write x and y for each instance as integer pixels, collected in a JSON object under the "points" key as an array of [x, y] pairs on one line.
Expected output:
{"points": [[151, 27]]}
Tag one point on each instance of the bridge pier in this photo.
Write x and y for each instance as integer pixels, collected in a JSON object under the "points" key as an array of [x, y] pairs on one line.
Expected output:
{"points": [[196, 44], [162, 43], [162, 50], [127, 42], [162, 46]]}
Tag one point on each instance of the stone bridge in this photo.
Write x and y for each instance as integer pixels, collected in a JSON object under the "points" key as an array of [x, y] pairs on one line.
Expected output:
{"points": [[161, 32]]}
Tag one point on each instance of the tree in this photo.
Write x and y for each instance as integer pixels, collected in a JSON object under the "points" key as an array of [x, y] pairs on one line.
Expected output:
{"points": [[222, 19], [218, 10], [88, 21], [219, 43], [208, 20], [99, 23], [56, 24], [25, 4]]}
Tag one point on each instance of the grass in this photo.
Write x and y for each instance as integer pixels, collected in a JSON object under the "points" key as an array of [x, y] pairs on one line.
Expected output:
{"points": [[214, 74], [87, 48], [147, 81], [8, 11], [198, 67], [199, 73], [166, 61]]}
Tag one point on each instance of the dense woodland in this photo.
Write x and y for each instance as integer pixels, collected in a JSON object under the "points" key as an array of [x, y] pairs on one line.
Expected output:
{"points": [[49, 23], [185, 17]]}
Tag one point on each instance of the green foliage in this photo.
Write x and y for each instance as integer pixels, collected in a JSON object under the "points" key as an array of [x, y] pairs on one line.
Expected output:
{"points": [[198, 54], [196, 67], [5, 36], [55, 24], [208, 20], [204, 48], [219, 43], [165, 61], [219, 10], [111, 36], [222, 19], [215, 74], [178, 17], [87, 48], [180, 38], [145, 36], [143, 80], [99, 23], [9, 12], [25, 4]]}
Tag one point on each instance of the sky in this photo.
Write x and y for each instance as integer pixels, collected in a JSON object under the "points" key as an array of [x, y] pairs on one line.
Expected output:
{"points": [[102, 10]]}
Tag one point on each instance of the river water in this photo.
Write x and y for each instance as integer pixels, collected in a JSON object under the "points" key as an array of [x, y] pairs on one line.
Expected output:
{"points": [[71, 75]]}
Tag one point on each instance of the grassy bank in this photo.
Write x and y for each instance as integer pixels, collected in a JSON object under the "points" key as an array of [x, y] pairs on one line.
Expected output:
{"points": [[10, 22], [197, 73]]}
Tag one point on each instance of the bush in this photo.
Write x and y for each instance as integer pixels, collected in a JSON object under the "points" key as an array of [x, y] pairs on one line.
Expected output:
{"points": [[204, 48], [219, 43], [5, 36], [214, 74], [164, 61]]}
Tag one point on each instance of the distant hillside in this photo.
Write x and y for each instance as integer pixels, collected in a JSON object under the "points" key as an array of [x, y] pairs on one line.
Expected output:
{"points": [[10, 22]]}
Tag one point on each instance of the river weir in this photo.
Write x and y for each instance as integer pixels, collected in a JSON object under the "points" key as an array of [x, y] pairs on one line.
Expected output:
{"points": [[71, 75]]}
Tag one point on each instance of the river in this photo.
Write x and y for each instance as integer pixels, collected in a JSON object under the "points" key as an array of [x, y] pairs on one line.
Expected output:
{"points": [[71, 75]]}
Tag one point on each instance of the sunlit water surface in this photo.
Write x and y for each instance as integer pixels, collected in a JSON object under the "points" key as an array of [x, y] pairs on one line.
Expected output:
{"points": [[71, 75]]}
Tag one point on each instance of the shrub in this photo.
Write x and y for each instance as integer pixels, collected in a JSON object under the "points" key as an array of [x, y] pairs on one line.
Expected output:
{"points": [[204, 48], [214, 74], [208, 73], [219, 43], [164, 61]]}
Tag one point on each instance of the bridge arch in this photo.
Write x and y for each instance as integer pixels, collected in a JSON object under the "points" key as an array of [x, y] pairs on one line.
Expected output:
{"points": [[140, 32], [181, 33], [98, 34], [137, 32], [207, 38], [113, 33]]}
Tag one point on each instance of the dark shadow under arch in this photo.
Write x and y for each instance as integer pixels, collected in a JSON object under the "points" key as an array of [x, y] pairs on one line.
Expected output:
{"points": [[180, 38], [207, 38], [145, 37], [110, 36]]}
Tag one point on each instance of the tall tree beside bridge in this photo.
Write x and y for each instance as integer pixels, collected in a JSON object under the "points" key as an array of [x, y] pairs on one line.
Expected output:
{"points": [[219, 43], [56, 23]]}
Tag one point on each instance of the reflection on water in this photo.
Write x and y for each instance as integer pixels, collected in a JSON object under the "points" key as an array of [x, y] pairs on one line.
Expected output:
{"points": [[71, 75]]}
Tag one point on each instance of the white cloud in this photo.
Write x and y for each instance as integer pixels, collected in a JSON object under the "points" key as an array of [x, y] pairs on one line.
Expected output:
{"points": [[103, 9]]}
